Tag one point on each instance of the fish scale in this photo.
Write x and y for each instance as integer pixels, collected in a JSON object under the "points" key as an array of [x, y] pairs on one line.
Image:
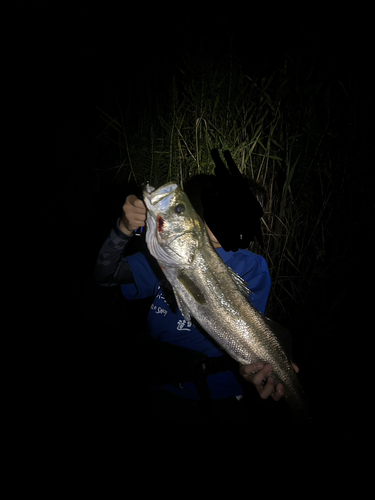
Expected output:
{"points": [[208, 291]]}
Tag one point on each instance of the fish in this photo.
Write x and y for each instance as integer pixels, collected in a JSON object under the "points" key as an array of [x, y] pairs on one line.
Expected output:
{"points": [[211, 293]]}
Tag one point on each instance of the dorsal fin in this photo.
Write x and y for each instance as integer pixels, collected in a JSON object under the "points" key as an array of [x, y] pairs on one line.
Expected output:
{"points": [[240, 283]]}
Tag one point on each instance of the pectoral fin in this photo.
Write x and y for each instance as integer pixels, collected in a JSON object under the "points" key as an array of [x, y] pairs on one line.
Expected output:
{"points": [[191, 288]]}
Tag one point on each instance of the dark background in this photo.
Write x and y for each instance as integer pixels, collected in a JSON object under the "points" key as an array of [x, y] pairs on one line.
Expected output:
{"points": [[63, 62]]}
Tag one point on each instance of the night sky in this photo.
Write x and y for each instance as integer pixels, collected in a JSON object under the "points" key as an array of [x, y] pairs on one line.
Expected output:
{"points": [[65, 61]]}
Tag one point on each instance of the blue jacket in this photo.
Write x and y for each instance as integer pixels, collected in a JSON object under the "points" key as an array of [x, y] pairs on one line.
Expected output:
{"points": [[173, 328]]}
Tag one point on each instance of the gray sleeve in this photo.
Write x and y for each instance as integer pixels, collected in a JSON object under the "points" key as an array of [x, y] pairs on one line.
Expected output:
{"points": [[111, 268]]}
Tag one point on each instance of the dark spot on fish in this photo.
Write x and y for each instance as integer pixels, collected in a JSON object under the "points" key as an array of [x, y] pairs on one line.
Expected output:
{"points": [[160, 223]]}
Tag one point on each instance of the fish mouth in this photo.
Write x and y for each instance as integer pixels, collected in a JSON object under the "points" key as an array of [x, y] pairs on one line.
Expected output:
{"points": [[158, 200], [160, 197]]}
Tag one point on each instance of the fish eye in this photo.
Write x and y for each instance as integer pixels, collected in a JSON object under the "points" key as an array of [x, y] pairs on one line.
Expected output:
{"points": [[180, 209]]}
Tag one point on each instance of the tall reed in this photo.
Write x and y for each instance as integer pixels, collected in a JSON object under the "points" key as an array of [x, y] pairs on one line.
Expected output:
{"points": [[279, 131]]}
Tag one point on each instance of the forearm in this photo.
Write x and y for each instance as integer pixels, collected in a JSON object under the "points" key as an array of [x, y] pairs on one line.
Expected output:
{"points": [[123, 228], [111, 269]]}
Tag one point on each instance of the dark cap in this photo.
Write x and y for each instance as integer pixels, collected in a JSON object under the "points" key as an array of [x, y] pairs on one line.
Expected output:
{"points": [[227, 204]]}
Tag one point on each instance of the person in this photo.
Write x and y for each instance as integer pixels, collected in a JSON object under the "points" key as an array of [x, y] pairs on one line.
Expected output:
{"points": [[222, 387]]}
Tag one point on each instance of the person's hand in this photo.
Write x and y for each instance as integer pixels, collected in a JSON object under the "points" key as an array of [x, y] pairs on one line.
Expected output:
{"points": [[258, 375], [133, 214]]}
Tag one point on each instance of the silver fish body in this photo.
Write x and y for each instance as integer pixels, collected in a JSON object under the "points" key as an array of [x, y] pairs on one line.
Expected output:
{"points": [[210, 292]]}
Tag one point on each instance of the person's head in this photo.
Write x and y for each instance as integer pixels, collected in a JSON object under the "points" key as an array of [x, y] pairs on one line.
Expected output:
{"points": [[227, 204], [196, 188]]}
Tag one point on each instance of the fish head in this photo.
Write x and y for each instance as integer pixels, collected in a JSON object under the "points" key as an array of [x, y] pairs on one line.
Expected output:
{"points": [[174, 229]]}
